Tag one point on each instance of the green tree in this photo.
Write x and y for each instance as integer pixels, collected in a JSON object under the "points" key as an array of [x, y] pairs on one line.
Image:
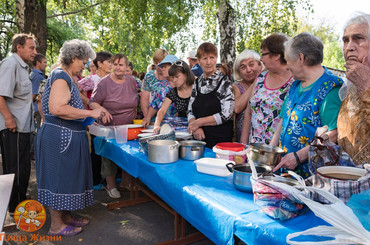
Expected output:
{"points": [[255, 20], [137, 28], [7, 27]]}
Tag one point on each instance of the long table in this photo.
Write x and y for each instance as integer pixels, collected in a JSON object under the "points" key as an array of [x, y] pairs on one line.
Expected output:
{"points": [[210, 203]]}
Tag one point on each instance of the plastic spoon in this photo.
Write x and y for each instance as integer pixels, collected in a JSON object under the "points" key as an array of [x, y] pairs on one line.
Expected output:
{"points": [[253, 168]]}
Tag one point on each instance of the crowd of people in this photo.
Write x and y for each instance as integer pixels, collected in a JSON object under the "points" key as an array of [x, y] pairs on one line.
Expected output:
{"points": [[278, 97]]}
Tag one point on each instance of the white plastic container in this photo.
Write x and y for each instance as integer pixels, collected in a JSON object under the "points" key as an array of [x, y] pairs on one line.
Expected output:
{"points": [[121, 134], [237, 156], [102, 131], [213, 166]]}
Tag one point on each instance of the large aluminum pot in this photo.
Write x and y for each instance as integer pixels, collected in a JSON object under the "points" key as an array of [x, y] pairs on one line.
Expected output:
{"points": [[262, 154], [242, 175], [163, 151], [191, 149]]}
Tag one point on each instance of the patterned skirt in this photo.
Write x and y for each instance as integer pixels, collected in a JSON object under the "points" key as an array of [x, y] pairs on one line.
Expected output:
{"points": [[63, 167]]}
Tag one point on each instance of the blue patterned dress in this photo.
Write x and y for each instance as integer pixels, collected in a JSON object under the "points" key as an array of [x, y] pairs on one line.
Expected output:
{"points": [[301, 115], [63, 164]]}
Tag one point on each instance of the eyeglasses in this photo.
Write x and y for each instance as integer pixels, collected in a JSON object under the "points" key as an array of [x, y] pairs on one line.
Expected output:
{"points": [[178, 63], [263, 54]]}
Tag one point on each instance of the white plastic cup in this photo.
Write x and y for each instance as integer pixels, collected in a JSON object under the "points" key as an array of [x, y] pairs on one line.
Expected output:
{"points": [[121, 134]]}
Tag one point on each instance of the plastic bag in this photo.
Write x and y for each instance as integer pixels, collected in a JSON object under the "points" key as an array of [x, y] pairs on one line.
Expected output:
{"points": [[346, 227], [360, 204], [276, 202]]}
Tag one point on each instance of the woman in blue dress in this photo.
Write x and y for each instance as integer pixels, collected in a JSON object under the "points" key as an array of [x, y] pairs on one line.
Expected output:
{"points": [[312, 102], [63, 164]]}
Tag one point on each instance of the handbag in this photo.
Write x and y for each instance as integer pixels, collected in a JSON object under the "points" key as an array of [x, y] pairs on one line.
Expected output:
{"points": [[323, 152]]}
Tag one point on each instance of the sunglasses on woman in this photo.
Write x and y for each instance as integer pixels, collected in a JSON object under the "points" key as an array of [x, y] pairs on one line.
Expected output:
{"points": [[178, 63]]}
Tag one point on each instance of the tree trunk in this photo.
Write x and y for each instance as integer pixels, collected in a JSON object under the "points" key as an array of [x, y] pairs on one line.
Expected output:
{"points": [[226, 22], [20, 8], [31, 18]]}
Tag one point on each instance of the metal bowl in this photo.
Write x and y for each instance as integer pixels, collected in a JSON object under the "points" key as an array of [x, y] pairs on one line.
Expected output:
{"points": [[262, 154], [191, 149], [242, 175]]}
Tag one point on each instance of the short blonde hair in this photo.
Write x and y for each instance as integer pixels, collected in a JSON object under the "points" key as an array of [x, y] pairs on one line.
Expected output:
{"points": [[246, 54], [159, 55]]}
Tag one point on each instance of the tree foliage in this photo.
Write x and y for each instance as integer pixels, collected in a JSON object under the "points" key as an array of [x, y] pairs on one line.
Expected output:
{"points": [[139, 27], [7, 26], [256, 19], [333, 55], [135, 28]]}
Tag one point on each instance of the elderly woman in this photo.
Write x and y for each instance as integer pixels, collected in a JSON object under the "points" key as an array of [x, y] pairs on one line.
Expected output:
{"points": [[267, 96], [152, 77], [354, 117], [115, 95], [211, 104], [246, 68], [63, 165], [312, 102]]}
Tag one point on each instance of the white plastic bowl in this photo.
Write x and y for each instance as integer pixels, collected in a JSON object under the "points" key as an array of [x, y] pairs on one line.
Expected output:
{"points": [[342, 172], [213, 166]]}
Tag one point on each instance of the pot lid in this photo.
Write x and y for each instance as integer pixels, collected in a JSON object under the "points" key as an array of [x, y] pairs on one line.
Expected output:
{"points": [[230, 146]]}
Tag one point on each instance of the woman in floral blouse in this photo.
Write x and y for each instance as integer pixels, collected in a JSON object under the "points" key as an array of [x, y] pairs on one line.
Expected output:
{"points": [[312, 102], [262, 114]]}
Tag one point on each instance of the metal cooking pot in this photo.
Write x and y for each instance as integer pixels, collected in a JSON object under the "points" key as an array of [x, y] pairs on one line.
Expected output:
{"points": [[191, 149], [242, 175], [163, 151], [262, 154]]}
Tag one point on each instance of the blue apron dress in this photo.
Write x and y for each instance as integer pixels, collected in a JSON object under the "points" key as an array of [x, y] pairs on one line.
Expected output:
{"points": [[63, 164], [302, 118]]}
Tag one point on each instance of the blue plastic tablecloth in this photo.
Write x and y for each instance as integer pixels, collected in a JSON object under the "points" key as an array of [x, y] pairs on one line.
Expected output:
{"points": [[210, 203]]}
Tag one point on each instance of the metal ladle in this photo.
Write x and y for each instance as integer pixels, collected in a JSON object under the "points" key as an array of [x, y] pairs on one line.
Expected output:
{"points": [[21, 210]]}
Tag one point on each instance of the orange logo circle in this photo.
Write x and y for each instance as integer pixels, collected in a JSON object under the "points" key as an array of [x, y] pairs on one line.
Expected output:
{"points": [[29, 216]]}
